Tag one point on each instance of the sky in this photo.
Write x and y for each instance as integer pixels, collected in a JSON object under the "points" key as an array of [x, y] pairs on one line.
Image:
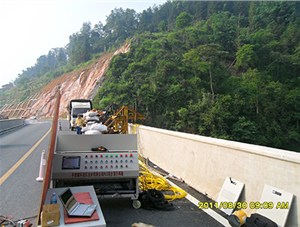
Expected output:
{"points": [[30, 28]]}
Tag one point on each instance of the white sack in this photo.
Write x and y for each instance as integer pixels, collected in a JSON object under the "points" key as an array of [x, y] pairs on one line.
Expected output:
{"points": [[95, 118], [100, 127], [92, 132]]}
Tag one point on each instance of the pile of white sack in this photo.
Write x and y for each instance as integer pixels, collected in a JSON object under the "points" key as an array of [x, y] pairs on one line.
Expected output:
{"points": [[93, 127], [91, 116]]}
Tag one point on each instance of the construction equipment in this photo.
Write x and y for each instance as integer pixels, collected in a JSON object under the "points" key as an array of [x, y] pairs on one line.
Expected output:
{"points": [[113, 171], [118, 122]]}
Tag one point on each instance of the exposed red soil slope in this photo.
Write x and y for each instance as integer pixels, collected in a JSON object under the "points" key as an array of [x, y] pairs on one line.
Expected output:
{"points": [[81, 84]]}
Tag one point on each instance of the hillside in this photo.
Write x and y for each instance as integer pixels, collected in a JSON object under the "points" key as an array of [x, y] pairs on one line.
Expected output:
{"points": [[228, 70], [232, 73]]}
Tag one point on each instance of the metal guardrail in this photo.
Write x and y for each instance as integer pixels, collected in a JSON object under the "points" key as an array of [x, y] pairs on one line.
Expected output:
{"points": [[6, 125]]}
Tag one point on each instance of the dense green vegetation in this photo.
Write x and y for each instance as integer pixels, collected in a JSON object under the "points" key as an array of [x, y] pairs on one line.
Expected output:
{"points": [[222, 69]]}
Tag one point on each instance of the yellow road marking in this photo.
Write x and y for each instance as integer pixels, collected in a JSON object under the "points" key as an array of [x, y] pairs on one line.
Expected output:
{"points": [[18, 163]]}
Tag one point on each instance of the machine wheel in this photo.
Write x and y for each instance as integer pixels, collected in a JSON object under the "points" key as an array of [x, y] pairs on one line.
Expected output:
{"points": [[136, 204]]}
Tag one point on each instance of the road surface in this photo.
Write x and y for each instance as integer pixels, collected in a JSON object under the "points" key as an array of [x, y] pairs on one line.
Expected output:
{"points": [[20, 154]]}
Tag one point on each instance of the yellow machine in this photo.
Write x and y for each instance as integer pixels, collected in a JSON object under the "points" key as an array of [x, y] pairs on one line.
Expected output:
{"points": [[118, 122]]}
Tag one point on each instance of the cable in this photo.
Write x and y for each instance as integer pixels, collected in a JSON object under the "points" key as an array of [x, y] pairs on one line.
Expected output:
{"points": [[149, 180], [27, 218], [5, 221]]}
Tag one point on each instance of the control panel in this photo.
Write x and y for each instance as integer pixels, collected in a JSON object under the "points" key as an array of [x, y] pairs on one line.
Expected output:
{"points": [[111, 161], [113, 171], [95, 165]]}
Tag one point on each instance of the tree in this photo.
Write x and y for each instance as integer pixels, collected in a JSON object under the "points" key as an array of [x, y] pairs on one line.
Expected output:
{"points": [[120, 25], [205, 58], [97, 38], [224, 29], [245, 57], [79, 48], [183, 20]]}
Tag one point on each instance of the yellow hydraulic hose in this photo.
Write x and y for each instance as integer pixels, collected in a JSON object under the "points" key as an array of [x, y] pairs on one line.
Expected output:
{"points": [[150, 180]]}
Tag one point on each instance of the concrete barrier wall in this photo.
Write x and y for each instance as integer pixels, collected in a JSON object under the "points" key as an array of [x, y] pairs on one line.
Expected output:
{"points": [[10, 124], [205, 162]]}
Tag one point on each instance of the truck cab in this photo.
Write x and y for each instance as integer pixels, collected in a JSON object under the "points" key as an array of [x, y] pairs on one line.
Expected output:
{"points": [[76, 107]]}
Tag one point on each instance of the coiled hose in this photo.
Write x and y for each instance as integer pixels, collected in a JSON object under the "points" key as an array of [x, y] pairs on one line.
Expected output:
{"points": [[150, 180]]}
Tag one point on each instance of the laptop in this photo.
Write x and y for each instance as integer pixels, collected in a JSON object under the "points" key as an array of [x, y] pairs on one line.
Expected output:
{"points": [[73, 207]]}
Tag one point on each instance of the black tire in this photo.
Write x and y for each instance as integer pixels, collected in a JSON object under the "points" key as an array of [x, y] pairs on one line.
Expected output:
{"points": [[155, 195]]}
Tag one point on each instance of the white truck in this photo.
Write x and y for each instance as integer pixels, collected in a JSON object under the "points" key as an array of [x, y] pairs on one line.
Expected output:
{"points": [[78, 107]]}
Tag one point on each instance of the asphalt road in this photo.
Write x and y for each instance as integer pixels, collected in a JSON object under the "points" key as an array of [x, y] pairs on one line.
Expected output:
{"points": [[20, 192]]}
